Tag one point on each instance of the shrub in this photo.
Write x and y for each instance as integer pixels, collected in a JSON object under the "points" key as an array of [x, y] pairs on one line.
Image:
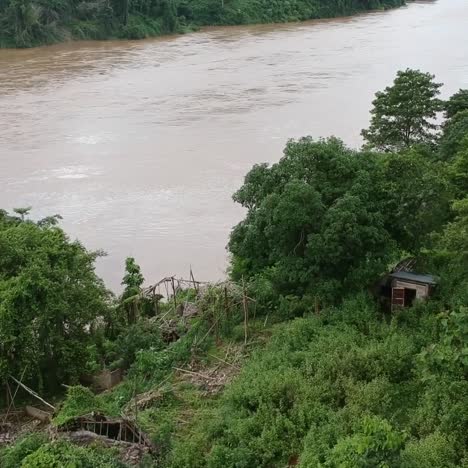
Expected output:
{"points": [[337, 390], [78, 402], [376, 444], [62, 454], [144, 335], [12, 457], [433, 451]]}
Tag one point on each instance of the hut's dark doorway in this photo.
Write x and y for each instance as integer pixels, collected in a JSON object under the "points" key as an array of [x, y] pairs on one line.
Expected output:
{"points": [[410, 296]]}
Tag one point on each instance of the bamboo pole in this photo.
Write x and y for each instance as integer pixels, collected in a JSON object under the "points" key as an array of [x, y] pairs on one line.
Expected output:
{"points": [[174, 294], [32, 392], [226, 301], [14, 396], [246, 312], [193, 279]]}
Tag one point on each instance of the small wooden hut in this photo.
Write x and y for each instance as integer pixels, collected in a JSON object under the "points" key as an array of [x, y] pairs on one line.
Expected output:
{"points": [[408, 286]]}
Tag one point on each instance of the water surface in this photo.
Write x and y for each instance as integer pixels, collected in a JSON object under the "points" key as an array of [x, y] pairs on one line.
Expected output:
{"points": [[140, 145]]}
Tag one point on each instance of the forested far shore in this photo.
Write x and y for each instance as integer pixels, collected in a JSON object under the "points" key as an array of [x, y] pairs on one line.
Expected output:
{"points": [[29, 23]]}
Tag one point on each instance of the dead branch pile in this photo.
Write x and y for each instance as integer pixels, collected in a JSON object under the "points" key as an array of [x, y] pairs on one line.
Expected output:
{"points": [[6, 433], [211, 380], [171, 330], [144, 400], [15, 424]]}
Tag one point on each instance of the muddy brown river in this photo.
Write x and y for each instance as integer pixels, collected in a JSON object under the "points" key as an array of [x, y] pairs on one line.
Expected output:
{"points": [[140, 145]]}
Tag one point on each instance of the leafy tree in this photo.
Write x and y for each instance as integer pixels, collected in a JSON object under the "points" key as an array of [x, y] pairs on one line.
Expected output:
{"points": [[22, 20], [49, 297], [22, 212], [26, 23], [434, 451], [142, 335], [133, 280], [78, 401], [13, 455], [452, 140], [403, 114], [343, 389], [120, 9], [455, 238], [457, 103], [448, 356]]}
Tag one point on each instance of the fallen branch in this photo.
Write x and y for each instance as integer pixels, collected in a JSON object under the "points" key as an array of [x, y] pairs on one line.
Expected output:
{"points": [[194, 373], [225, 362]]}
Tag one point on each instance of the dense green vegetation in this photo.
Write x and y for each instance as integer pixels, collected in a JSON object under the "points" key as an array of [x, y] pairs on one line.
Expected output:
{"points": [[35, 451], [315, 371], [346, 389], [26, 23], [49, 293]]}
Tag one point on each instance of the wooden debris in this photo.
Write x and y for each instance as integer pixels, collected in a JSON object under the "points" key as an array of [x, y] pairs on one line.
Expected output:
{"points": [[190, 310], [121, 430], [211, 380], [37, 413], [147, 399], [130, 453]]}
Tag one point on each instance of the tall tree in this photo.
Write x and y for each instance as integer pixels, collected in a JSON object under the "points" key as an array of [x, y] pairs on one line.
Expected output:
{"points": [[132, 280], [404, 113]]}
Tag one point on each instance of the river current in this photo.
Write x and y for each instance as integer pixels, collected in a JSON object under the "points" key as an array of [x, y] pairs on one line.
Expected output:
{"points": [[140, 145]]}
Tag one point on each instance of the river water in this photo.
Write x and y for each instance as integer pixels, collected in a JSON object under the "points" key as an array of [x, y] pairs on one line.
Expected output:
{"points": [[140, 145]]}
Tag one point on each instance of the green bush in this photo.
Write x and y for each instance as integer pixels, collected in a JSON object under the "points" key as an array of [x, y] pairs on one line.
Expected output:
{"points": [[12, 457], [433, 451], [375, 444], [144, 335], [139, 28], [62, 454], [78, 402]]}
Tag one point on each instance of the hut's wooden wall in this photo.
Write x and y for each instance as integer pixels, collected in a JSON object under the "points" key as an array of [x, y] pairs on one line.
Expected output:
{"points": [[422, 290]]}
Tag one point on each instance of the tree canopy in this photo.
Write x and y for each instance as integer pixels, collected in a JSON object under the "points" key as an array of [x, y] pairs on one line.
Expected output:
{"points": [[327, 219], [457, 103], [404, 113]]}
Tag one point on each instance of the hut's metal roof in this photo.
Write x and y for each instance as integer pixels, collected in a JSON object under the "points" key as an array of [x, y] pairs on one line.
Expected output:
{"points": [[414, 277]]}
